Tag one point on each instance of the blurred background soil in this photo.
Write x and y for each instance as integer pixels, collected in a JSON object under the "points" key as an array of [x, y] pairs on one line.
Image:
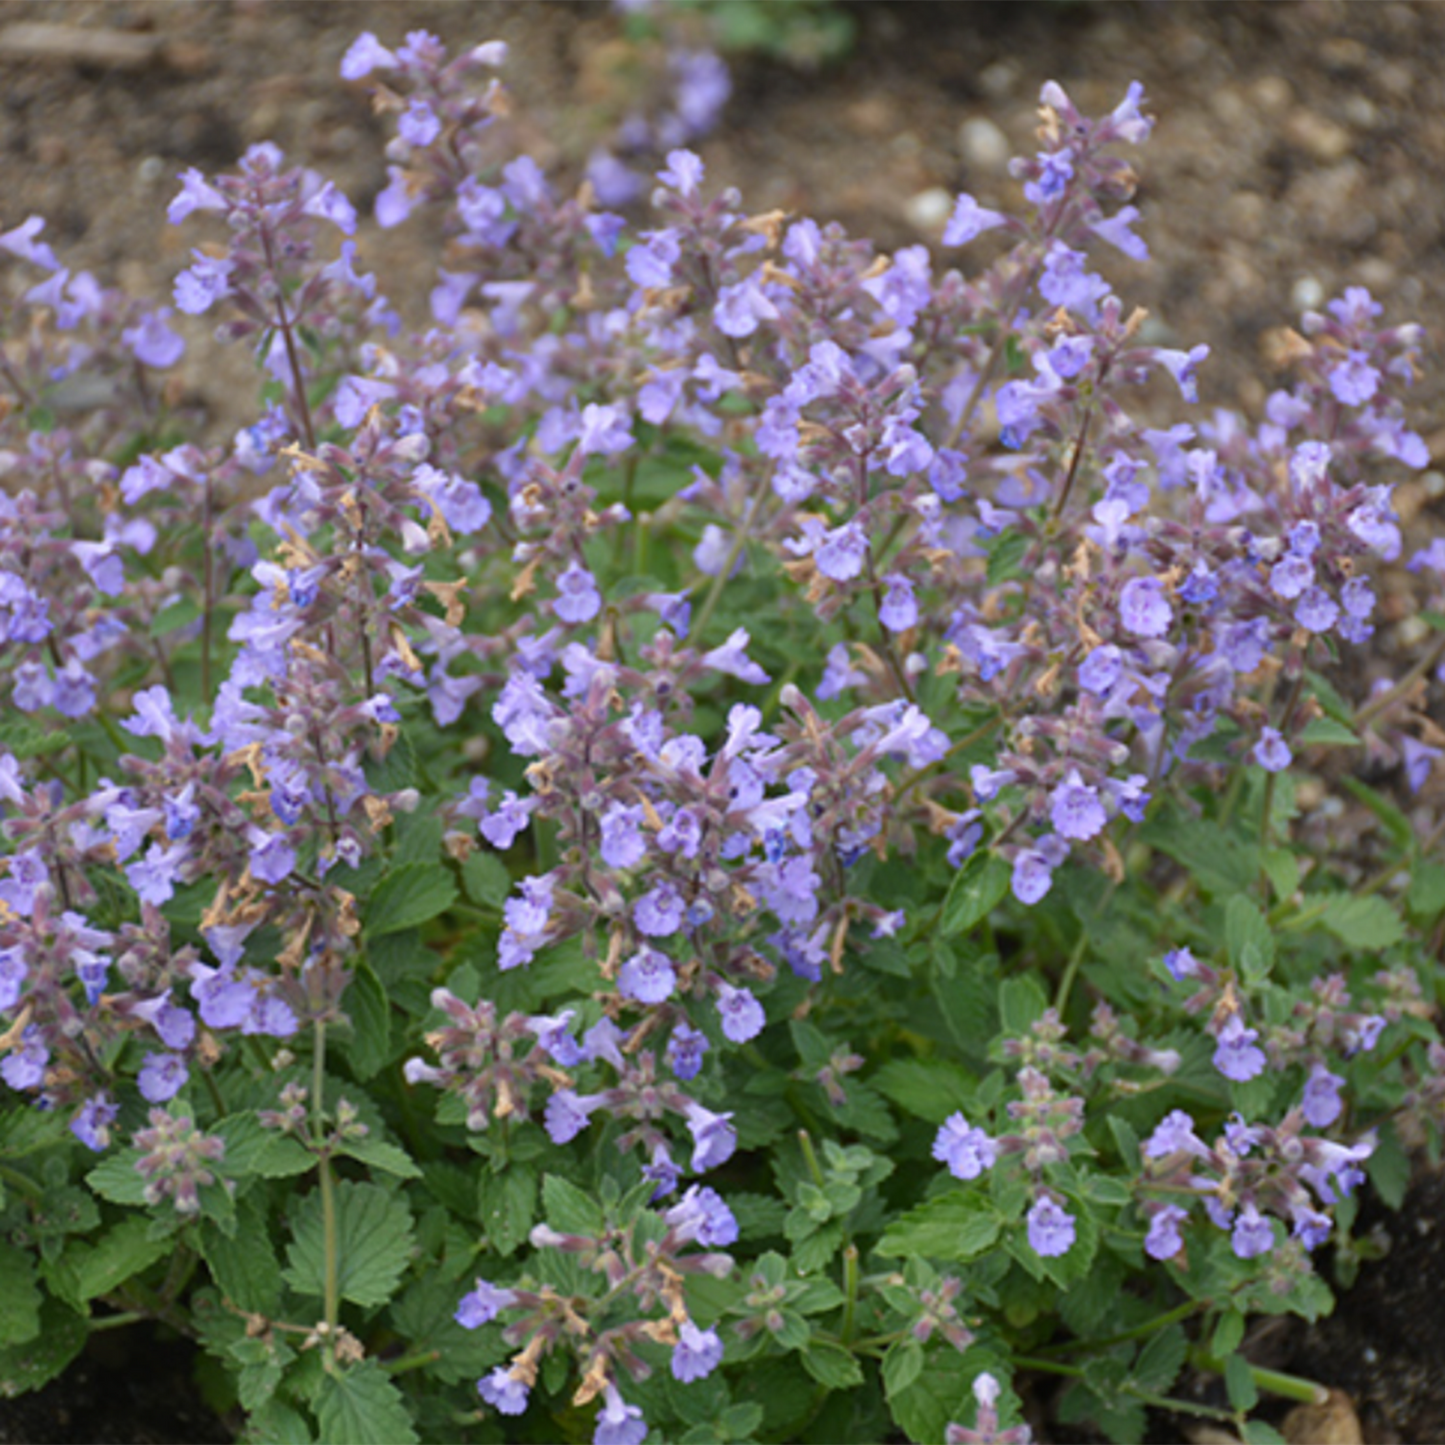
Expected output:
{"points": [[1300, 148]]}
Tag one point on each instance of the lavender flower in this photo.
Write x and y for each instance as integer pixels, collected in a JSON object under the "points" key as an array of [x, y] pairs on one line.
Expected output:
{"points": [[1051, 1228], [697, 1352], [1236, 1056], [964, 1148]]}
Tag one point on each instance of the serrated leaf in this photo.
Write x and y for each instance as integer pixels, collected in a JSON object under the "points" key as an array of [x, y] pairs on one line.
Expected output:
{"points": [[569, 1209], [942, 1392], [1161, 1360], [277, 1424], [1227, 1333], [1326, 732], [369, 1010], [123, 1251], [1021, 1003], [115, 1178], [507, 1206], [28, 1366], [361, 1406], [379, 1154], [954, 1226], [977, 889], [486, 880], [1389, 1167], [1248, 938], [832, 1366], [1396, 824], [1261, 1432], [262, 1363], [1239, 1382], [902, 1365], [409, 896], [1365, 923], [373, 1235], [251, 1148], [1221, 862], [20, 1293], [244, 1266]]}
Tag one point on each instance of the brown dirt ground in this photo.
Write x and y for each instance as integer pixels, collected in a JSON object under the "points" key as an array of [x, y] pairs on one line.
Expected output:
{"points": [[1300, 148]]}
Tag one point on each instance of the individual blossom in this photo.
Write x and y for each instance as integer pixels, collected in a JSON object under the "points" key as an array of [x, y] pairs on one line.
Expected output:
{"points": [[696, 1354], [985, 1430], [968, 220], [1143, 608], [713, 1137], [482, 1305], [1051, 1228], [1076, 811], [964, 1148], [647, 977], [162, 1076], [685, 1049], [618, 1423], [1163, 1240], [1252, 1234], [1321, 1104], [1237, 1057], [578, 599], [503, 1391], [742, 1015], [1271, 752]]}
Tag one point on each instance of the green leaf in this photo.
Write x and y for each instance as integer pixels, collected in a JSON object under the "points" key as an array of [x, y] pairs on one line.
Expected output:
{"points": [[379, 1154], [1161, 1360], [1364, 923], [954, 1226], [941, 1392], [1218, 859], [1326, 732], [832, 1366], [1389, 1167], [1396, 824], [977, 889], [370, 1013], [1239, 1382], [902, 1365], [251, 1148], [20, 1315], [122, 1252], [373, 1244], [1021, 1003], [1282, 869], [361, 1406], [929, 1089], [262, 1362], [1260, 1432], [1249, 939], [409, 896], [486, 880], [507, 1206], [1426, 897], [244, 1266], [277, 1424], [1004, 557], [28, 1366], [115, 1178], [568, 1209], [1227, 1333]]}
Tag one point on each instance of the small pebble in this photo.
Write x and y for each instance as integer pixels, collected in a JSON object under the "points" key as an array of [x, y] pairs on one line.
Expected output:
{"points": [[928, 210], [1307, 294], [983, 144]]}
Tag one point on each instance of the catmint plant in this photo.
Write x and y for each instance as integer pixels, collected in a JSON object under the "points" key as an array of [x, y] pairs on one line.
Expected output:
{"points": [[736, 839]]}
